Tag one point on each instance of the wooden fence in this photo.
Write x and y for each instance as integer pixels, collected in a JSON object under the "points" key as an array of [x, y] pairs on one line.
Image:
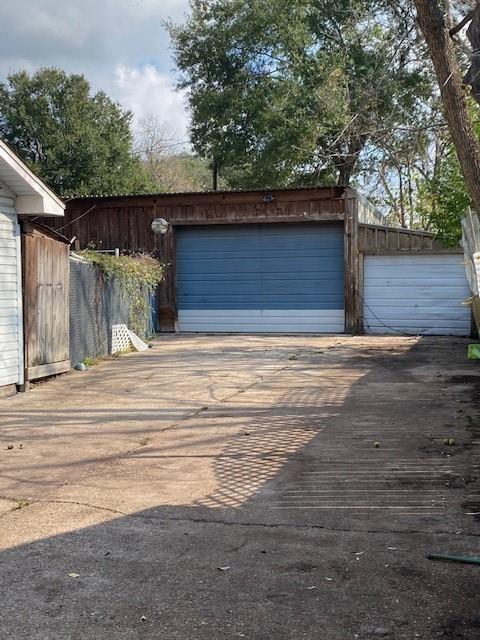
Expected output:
{"points": [[46, 301]]}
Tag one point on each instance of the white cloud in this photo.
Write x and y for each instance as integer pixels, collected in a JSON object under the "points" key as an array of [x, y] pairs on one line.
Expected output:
{"points": [[149, 92], [121, 46]]}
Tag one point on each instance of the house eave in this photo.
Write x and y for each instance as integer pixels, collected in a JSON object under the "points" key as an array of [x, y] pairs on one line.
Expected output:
{"points": [[38, 205], [32, 196]]}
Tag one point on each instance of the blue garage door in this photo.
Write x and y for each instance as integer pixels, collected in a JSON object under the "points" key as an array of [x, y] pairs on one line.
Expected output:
{"points": [[260, 278]]}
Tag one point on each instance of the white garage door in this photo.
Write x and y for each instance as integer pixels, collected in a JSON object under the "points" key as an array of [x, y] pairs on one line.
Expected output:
{"points": [[416, 294], [10, 297]]}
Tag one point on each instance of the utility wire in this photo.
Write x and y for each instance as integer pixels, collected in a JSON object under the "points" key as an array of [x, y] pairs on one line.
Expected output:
{"points": [[77, 218], [387, 326]]}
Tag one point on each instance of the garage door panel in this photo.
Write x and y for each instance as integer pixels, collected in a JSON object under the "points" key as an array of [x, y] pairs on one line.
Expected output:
{"points": [[246, 232], [274, 321], [271, 289], [394, 303], [416, 294], [413, 277], [241, 304], [418, 321], [313, 246], [397, 313], [413, 331], [265, 264], [290, 277], [427, 326], [420, 293], [265, 277], [410, 258], [265, 301]]}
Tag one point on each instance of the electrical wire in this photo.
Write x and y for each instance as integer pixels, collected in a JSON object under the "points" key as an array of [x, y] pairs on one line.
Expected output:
{"points": [[77, 218], [387, 326]]}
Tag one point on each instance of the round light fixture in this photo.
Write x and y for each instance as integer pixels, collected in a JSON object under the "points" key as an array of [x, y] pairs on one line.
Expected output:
{"points": [[160, 226]]}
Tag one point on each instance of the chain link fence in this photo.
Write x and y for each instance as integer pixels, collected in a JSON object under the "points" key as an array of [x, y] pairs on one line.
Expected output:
{"points": [[97, 303]]}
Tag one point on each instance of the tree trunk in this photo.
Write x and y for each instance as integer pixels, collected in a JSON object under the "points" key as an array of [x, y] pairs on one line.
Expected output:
{"points": [[347, 163], [432, 24], [472, 77]]}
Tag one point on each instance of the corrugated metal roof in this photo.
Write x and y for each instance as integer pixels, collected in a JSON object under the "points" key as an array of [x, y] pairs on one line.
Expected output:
{"points": [[197, 193]]}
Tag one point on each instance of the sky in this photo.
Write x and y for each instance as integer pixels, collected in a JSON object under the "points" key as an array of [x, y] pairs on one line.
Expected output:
{"points": [[121, 46]]}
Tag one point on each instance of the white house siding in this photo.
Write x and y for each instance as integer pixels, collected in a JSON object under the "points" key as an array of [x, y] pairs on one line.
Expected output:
{"points": [[416, 294], [11, 336]]}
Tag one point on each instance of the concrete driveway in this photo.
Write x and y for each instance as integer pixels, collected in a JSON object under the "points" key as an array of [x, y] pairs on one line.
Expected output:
{"points": [[229, 487]]}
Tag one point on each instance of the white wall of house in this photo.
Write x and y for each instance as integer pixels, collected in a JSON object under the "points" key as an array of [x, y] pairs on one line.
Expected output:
{"points": [[11, 329], [23, 194]]}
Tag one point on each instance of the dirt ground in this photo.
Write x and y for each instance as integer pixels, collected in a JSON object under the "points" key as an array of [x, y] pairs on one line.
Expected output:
{"points": [[230, 487]]}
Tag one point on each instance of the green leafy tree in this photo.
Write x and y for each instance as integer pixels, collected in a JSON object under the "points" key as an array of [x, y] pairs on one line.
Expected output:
{"points": [[76, 142], [294, 91], [443, 197]]}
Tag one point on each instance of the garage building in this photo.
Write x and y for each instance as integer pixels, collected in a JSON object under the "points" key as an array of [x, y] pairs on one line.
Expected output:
{"points": [[315, 260]]}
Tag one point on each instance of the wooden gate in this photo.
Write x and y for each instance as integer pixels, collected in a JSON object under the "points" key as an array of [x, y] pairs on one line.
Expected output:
{"points": [[46, 276]]}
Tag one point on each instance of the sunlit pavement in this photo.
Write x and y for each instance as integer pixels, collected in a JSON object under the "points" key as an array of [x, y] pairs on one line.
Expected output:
{"points": [[245, 486]]}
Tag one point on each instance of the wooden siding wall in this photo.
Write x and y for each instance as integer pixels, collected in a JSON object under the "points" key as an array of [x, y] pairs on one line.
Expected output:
{"points": [[46, 304], [377, 239], [353, 309], [125, 222]]}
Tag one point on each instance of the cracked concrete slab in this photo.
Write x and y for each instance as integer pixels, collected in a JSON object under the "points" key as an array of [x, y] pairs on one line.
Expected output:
{"points": [[146, 474]]}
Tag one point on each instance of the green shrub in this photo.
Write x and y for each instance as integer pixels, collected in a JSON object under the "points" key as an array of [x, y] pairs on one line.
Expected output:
{"points": [[137, 276]]}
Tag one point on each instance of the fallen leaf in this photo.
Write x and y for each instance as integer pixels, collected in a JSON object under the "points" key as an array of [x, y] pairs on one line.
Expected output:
{"points": [[73, 575]]}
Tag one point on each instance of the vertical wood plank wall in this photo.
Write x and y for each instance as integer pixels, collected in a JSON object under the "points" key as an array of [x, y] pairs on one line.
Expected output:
{"points": [[46, 304], [353, 309], [124, 222]]}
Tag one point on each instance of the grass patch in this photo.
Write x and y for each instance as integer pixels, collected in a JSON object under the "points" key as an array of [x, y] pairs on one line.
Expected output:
{"points": [[21, 504], [90, 362]]}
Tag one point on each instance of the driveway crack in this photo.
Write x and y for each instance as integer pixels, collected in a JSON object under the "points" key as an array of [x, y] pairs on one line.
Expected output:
{"points": [[194, 414], [264, 525]]}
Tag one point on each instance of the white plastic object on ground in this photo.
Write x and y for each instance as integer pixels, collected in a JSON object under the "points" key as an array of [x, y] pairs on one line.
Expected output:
{"points": [[471, 249], [476, 262], [123, 339]]}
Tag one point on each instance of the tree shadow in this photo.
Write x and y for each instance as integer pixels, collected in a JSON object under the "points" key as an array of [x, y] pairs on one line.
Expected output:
{"points": [[260, 528]]}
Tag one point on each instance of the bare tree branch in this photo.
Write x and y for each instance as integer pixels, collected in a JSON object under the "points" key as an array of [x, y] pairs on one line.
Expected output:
{"points": [[454, 30]]}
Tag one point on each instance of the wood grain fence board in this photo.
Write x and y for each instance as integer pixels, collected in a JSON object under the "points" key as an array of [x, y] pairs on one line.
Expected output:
{"points": [[46, 300]]}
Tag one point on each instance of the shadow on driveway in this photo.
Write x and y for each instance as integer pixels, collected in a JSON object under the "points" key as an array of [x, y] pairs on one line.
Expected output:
{"points": [[266, 512]]}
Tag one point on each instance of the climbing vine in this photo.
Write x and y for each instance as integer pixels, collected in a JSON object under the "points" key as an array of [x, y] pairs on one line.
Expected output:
{"points": [[137, 276]]}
